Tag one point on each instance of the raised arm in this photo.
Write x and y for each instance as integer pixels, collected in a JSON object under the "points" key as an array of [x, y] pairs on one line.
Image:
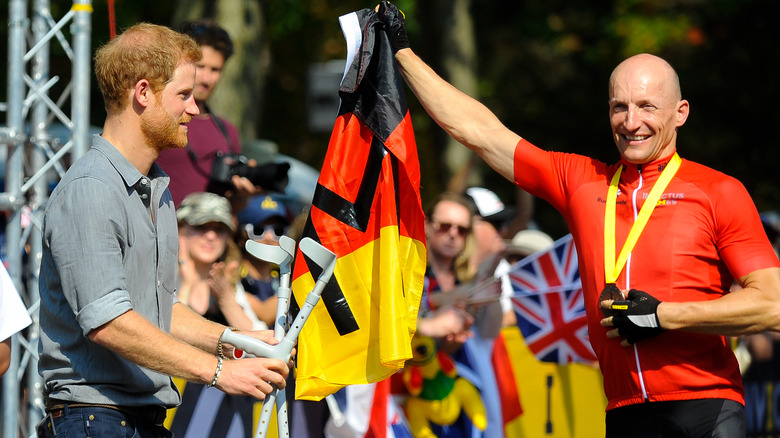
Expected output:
{"points": [[462, 117]]}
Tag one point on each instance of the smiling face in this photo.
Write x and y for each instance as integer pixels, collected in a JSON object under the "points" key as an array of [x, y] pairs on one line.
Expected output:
{"points": [[645, 108], [164, 123]]}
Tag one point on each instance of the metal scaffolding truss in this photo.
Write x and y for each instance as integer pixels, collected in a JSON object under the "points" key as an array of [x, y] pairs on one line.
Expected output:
{"points": [[34, 158]]}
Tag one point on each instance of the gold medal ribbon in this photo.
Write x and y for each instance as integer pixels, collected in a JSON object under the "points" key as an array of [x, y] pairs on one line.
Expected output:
{"points": [[611, 268]]}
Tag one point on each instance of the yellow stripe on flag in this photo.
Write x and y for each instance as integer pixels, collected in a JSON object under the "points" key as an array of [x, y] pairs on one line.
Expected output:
{"points": [[382, 282]]}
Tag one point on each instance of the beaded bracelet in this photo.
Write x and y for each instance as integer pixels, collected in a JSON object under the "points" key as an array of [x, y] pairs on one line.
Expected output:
{"points": [[219, 342], [216, 373]]}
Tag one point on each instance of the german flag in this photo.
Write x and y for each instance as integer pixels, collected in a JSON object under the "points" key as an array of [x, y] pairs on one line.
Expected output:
{"points": [[366, 209]]}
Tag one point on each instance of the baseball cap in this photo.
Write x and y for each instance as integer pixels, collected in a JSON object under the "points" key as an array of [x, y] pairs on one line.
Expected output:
{"points": [[201, 208], [261, 208], [527, 242], [489, 206]]}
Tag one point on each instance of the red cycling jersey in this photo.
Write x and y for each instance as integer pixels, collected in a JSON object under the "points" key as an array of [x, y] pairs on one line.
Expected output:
{"points": [[704, 232]]}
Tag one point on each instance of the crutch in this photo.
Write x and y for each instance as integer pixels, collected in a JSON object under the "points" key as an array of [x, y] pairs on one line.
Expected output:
{"points": [[283, 350], [282, 256]]}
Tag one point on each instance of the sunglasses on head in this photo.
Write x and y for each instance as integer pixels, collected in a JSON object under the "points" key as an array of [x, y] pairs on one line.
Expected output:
{"points": [[276, 230], [444, 227]]}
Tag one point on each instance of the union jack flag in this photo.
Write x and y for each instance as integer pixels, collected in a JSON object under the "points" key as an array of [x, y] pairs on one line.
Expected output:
{"points": [[548, 302]]}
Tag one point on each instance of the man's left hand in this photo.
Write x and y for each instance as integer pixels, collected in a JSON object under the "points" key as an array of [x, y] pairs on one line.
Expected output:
{"points": [[636, 318]]}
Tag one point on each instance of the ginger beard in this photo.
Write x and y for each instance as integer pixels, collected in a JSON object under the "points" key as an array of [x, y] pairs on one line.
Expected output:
{"points": [[162, 130]]}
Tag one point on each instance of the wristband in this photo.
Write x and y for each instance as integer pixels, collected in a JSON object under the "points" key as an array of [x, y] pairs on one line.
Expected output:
{"points": [[219, 342], [216, 373]]}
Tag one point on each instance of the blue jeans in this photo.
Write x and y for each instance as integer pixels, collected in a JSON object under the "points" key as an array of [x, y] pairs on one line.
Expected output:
{"points": [[95, 422]]}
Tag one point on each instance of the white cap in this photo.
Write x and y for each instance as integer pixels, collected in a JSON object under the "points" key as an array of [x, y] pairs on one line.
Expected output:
{"points": [[527, 242], [488, 205]]}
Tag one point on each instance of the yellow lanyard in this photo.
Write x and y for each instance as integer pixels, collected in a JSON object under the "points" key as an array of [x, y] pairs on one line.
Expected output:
{"points": [[611, 268]]}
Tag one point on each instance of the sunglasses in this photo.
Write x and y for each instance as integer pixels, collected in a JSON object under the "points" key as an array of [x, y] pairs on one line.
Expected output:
{"points": [[276, 230], [444, 228], [218, 228]]}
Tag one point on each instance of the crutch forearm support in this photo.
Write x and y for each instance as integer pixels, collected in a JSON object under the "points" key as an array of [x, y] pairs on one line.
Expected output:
{"points": [[282, 255], [325, 260]]}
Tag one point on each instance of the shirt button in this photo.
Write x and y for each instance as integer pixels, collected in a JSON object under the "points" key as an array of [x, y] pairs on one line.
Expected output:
{"points": [[144, 181], [144, 196]]}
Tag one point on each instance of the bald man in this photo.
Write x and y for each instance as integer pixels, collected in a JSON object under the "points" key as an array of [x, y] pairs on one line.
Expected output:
{"points": [[659, 241]]}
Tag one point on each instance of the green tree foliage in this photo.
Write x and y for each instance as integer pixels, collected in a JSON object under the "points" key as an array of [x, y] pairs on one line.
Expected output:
{"points": [[543, 68]]}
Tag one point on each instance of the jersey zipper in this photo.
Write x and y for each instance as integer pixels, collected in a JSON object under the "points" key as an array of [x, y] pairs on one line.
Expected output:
{"points": [[628, 281]]}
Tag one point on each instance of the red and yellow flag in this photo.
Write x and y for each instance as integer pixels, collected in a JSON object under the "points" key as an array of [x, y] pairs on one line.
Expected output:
{"points": [[366, 209]]}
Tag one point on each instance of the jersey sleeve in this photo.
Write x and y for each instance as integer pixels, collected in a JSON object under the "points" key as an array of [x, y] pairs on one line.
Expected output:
{"points": [[553, 176]]}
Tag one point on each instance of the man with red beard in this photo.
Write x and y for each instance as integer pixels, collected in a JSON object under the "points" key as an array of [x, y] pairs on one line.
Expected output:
{"points": [[190, 168], [112, 331]]}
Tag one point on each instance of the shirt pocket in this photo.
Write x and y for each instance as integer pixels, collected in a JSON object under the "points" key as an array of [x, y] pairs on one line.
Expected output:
{"points": [[168, 263]]}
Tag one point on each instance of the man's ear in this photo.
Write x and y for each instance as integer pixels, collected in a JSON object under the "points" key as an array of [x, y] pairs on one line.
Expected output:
{"points": [[683, 109], [143, 93]]}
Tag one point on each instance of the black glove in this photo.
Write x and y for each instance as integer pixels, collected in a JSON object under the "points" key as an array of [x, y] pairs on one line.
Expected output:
{"points": [[395, 25], [636, 318]]}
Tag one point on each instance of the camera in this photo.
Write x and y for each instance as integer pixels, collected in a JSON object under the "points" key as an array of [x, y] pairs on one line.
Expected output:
{"points": [[270, 176]]}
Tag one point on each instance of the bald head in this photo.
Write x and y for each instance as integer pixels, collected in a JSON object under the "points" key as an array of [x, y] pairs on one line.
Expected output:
{"points": [[650, 69], [645, 108]]}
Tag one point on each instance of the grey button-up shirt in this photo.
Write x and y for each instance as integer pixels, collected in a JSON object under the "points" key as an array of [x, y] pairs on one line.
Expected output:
{"points": [[110, 245]]}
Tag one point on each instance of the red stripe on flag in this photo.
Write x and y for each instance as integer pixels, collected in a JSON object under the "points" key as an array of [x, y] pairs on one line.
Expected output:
{"points": [[555, 316], [377, 426], [563, 330], [505, 381], [550, 273]]}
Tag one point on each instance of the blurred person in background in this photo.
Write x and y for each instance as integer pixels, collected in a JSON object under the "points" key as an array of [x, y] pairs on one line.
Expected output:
{"points": [[209, 135], [491, 216], [448, 225], [209, 263], [265, 219]]}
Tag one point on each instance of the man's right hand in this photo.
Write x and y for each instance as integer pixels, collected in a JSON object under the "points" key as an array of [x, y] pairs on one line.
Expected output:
{"points": [[395, 25], [254, 376]]}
